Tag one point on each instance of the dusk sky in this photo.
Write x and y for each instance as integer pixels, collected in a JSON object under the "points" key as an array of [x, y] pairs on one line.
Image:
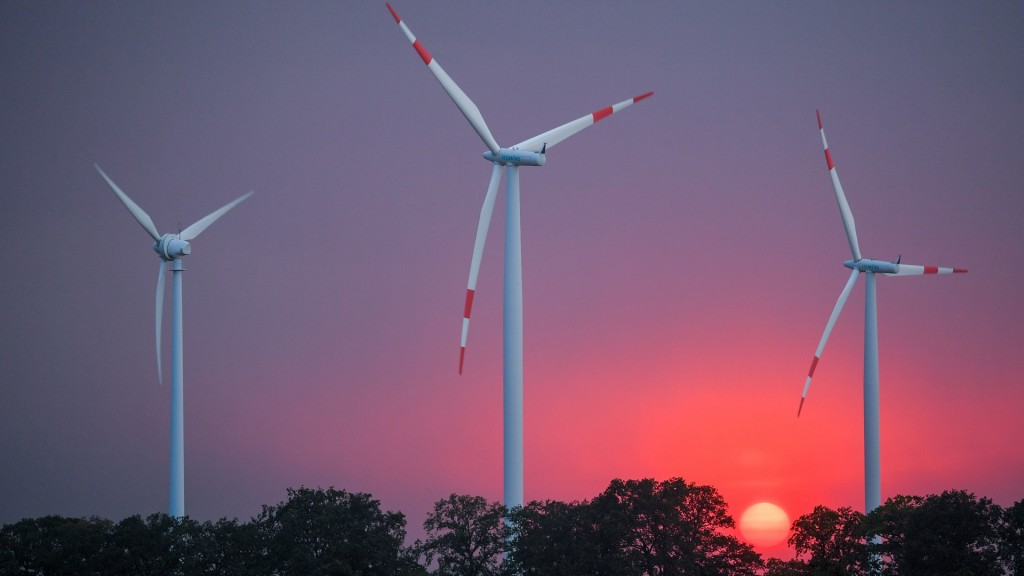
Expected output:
{"points": [[680, 258]]}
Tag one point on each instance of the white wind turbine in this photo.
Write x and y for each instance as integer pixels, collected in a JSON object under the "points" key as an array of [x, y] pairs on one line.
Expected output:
{"points": [[872, 460], [172, 248], [527, 153]]}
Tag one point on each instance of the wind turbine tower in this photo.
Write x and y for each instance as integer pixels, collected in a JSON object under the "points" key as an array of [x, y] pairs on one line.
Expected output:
{"points": [[532, 152], [171, 248], [868, 267]]}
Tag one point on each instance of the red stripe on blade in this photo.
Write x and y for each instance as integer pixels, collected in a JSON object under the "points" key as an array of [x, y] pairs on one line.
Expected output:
{"points": [[602, 114], [814, 364], [931, 269], [422, 52], [828, 159], [642, 96], [462, 357], [469, 303], [393, 13], [959, 270]]}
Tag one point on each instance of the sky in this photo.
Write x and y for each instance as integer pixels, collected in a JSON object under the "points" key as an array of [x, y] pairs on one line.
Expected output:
{"points": [[680, 258]]}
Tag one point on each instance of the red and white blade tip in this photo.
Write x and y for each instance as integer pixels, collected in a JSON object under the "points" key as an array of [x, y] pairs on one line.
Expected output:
{"points": [[915, 270], [807, 383], [609, 110], [424, 55], [465, 326]]}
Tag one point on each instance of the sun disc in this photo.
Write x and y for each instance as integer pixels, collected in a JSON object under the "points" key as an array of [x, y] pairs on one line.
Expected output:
{"points": [[764, 524]]}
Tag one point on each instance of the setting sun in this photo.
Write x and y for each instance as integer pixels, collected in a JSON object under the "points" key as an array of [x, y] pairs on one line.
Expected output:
{"points": [[764, 524]]}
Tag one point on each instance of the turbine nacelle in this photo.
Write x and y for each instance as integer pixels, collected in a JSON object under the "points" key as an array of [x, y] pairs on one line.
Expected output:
{"points": [[869, 265], [171, 247], [516, 157]]}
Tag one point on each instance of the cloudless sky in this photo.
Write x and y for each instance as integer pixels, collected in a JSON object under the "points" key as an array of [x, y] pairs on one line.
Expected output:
{"points": [[680, 258]]}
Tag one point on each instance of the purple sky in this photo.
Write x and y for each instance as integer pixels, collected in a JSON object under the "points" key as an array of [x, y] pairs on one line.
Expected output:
{"points": [[680, 259]]}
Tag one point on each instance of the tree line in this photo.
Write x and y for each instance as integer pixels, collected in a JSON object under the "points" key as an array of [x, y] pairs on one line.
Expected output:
{"points": [[954, 533], [633, 528]]}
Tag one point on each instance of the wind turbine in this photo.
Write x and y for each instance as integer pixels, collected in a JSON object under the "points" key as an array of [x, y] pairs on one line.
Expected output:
{"points": [[869, 267], [172, 248], [530, 152]]}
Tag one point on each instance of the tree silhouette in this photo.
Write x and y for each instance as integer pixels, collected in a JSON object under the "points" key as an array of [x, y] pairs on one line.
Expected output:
{"points": [[466, 536]]}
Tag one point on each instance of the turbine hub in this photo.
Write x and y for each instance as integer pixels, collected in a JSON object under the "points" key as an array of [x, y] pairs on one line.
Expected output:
{"points": [[170, 247]]}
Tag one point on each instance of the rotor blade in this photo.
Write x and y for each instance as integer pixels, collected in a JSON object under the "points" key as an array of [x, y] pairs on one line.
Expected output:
{"points": [[140, 215], [466, 106], [824, 337], [915, 270], [197, 228], [844, 206], [478, 252], [159, 317], [552, 137]]}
